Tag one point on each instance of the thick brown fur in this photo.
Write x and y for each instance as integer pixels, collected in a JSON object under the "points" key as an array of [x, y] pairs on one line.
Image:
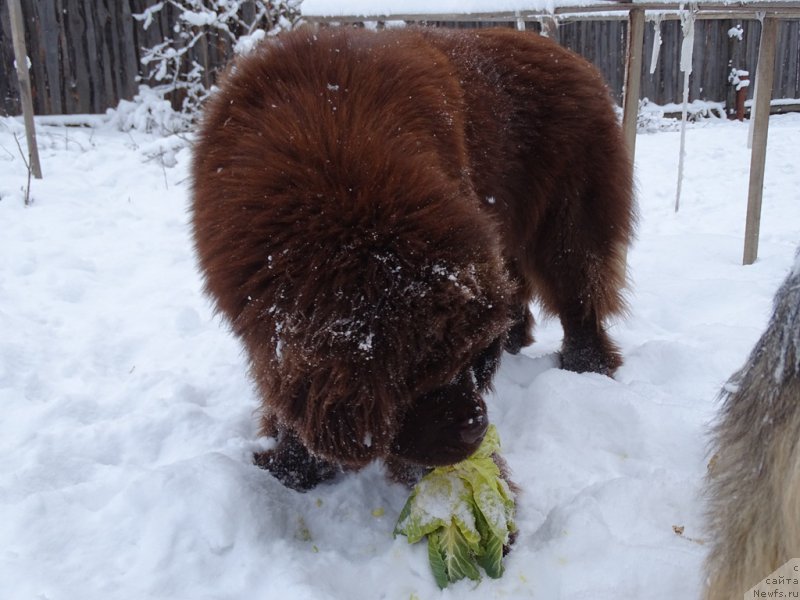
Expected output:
{"points": [[373, 213], [754, 480]]}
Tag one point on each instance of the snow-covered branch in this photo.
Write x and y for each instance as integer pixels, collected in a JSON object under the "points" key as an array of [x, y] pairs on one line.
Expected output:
{"points": [[175, 65]]}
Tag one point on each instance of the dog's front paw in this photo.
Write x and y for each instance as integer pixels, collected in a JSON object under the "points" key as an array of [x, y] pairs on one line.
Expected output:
{"points": [[292, 464]]}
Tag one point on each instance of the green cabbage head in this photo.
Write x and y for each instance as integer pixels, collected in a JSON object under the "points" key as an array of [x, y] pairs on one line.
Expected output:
{"points": [[467, 511]]}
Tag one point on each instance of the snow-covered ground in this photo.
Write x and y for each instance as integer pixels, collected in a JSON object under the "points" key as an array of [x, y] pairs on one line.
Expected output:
{"points": [[127, 415]]}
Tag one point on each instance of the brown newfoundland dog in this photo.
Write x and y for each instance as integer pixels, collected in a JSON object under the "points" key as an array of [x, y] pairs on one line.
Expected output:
{"points": [[373, 213]]}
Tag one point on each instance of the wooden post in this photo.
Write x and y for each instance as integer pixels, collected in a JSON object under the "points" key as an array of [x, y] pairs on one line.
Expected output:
{"points": [[21, 57], [633, 77], [633, 84], [765, 70], [741, 97]]}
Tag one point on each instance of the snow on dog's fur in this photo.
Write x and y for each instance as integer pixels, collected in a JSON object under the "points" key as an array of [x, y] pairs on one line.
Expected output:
{"points": [[754, 480], [373, 213]]}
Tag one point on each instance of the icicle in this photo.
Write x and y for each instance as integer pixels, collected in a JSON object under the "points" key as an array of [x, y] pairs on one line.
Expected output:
{"points": [[656, 42], [687, 25], [549, 26]]}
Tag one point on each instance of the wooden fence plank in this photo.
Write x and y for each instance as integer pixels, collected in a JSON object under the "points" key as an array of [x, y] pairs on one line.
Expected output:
{"points": [[97, 97], [77, 66], [49, 44], [9, 91]]}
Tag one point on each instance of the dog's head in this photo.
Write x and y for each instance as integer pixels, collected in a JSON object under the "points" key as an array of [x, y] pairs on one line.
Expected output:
{"points": [[388, 341], [401, 374]]}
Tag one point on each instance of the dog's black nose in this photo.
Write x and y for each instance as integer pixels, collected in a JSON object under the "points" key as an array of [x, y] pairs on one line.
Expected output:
{"points": [[473, 429]]}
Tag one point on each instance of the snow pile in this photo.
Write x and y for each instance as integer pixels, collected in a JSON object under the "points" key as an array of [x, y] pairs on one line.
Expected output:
{"points": [[128, 417], [654, 117], [148, 112]]}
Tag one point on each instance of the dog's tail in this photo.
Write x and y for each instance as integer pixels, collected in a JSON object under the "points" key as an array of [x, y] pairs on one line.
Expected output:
{"points": [[754, 478]]}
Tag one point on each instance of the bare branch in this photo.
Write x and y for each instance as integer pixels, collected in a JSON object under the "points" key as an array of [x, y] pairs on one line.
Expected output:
{"points": [[27, 163]]}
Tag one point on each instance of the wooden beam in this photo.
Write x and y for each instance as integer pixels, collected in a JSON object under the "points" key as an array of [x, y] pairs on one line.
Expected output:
{"points": [[26, 99], [765, 70], [633, 78], [610, 11]]}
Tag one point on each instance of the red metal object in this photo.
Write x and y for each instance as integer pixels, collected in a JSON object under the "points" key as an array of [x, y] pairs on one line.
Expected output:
{"points": [[741, 95]]}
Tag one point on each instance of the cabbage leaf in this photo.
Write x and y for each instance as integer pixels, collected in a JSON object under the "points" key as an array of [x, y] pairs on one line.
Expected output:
{"points": [[466, 510]]}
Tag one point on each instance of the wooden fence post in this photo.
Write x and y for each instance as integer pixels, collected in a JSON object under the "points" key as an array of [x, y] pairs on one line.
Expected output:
{"points": [[765, 70], [21, 57], [633, 77], [633, 82]]}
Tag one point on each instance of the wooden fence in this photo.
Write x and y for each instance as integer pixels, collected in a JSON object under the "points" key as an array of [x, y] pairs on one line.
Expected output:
{"points": [[85, 55], [715, 53]]}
